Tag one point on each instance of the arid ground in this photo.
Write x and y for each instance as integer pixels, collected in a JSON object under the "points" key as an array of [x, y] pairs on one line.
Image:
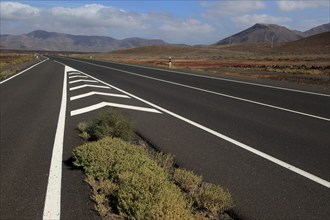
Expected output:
{"points": [[304, 61]]}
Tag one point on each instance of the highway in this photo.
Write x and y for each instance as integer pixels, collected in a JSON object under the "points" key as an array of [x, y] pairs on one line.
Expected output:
{"points": [[268, 143]]}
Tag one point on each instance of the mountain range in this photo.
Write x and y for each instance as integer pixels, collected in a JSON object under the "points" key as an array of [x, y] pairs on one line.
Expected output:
{"points": [[263, 33], [52, 41]]}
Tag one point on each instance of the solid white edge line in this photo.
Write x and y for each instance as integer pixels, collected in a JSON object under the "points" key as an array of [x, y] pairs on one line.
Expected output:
{"points": [[228, 139], [52, 208], [98, 93], [215, 93], [218, 78], [88, 85], [23, 71], [81, 80], [104, 104]]}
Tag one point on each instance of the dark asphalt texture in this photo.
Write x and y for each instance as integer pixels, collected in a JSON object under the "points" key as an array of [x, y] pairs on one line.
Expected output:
{"points": [[261, 189], [30, 106]]}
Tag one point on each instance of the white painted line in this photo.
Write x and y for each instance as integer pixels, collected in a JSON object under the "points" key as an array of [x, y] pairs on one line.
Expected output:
{"points": [[78, 76], [98, 93], [104, 104], [91, 86], [230, 140], [219, 78], [23, 71], [82, 80], [216, 93], [52, 208], [73, 72]]}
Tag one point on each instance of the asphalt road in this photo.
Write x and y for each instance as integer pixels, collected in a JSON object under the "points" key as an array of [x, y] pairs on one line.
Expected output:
{"points": [[30, 105], [268, 145]]}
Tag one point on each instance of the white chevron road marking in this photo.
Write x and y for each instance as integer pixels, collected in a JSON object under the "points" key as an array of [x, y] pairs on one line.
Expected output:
{"points": [[77, 76], [98, 93], [104, 104], [88, 85], [82, 80]]}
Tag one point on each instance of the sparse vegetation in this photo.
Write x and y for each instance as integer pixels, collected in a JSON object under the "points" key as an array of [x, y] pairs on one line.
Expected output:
{"points": [[213, 198], [130, 181], [109, 123], [293, 61], [11, 63], [187, 180]]}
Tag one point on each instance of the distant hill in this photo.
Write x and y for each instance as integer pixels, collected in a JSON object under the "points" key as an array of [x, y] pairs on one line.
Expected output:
{"points": [[262, 33], [52, 41], [267, 33], [317, 42], [317, 30]]}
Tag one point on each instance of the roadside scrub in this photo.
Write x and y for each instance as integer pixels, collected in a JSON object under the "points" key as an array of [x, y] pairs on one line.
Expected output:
{"points": [[11, 63], [133, 181]]}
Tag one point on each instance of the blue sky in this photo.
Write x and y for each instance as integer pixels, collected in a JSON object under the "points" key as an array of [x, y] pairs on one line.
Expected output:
{"points": [[189, 22]]}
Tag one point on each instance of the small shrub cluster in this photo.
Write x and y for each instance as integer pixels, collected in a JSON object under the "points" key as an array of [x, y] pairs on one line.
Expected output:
{"points": [[132, 181], [107, 124], [139, 187], [211, 199]]}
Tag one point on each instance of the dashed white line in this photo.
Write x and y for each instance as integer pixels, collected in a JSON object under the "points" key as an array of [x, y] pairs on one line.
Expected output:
{"points": [[82, 80], [90, 86], [104, 104], [52, 208], [98, 93]]}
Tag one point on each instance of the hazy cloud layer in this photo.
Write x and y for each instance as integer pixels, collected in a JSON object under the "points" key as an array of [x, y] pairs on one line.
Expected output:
{"points": [[295, 5], [249, 20], [17, 11], [96, 19], [231, 8], [215, 20]]}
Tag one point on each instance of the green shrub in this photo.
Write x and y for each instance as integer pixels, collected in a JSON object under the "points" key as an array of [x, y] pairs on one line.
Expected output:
{"points": [[82, 126], [213, 198], [144, 190], [187, 180], [108, 124], [133, 182], [166, 161]]}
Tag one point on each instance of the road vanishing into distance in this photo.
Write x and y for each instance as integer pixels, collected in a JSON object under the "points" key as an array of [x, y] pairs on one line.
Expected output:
{"points": [[268, 144]]}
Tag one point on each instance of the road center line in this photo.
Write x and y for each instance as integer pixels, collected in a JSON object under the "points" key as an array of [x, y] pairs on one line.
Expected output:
{"points": [[215, 93], [228, 139], [221, 79], [52, 208]]}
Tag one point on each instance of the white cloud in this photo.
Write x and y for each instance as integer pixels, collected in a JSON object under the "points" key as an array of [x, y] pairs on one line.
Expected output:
{"points": [[306, 24], [189, 26], [249, 20], [231, 8], [95, 15], [285, 5], [189, 31], [97, 19], [17, 11]]}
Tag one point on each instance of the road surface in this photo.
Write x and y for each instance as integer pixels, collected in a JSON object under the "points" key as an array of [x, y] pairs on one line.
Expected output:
{"points": [[268, 144]]}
